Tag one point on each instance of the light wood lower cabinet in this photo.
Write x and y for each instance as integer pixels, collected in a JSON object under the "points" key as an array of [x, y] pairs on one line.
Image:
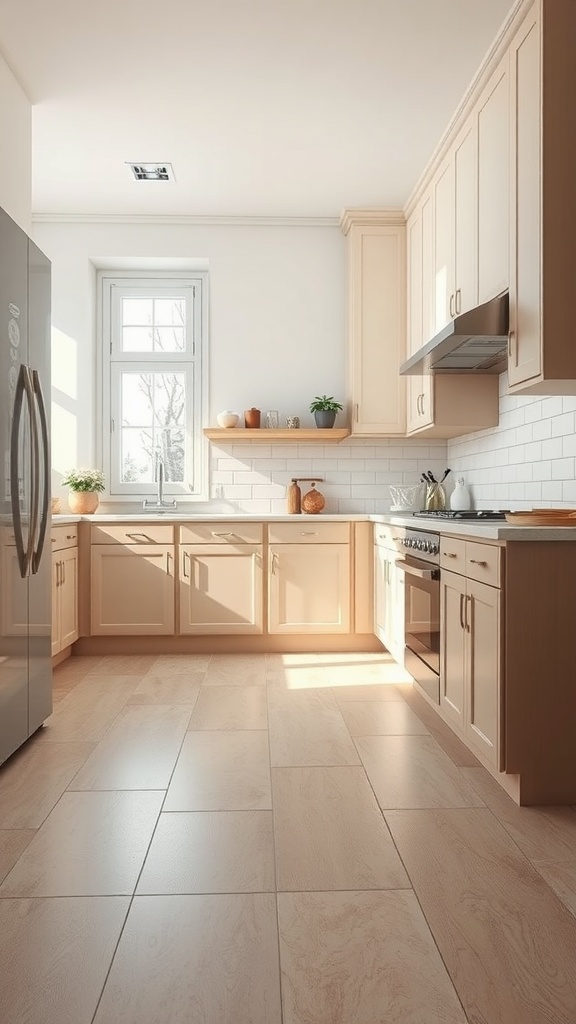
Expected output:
{"points": [[389, 602], [471, 663], [220, 589], [132, 589], [64, 599], [309, 588]]}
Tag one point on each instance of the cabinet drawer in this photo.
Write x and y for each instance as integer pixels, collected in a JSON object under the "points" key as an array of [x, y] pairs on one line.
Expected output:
{"points": [[386, 536], [221, 533], [64, 537], [305, 533], [132, 533], [483, 563], [453, 554]]}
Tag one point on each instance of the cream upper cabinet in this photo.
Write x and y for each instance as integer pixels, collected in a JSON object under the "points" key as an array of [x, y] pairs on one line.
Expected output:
{"points": [[376, 321], [132, 589], [493, 125], [444, 244], [542, 356], [455, 230], [220, 588]]}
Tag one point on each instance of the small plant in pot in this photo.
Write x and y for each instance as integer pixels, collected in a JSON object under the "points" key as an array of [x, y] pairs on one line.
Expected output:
{"points": [[85, 486], [324, 409]]}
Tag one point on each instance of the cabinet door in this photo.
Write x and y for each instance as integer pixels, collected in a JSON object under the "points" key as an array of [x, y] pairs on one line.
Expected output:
{"points": [[524, 357], [68, 597], [132, 589], [444, 242], [377, 329], [493, 120], [483, 632], [466, 220], [414, 243], [56, 571], [453, 647], [396, 642], [220, 590], [381, 591], [309, 588]]}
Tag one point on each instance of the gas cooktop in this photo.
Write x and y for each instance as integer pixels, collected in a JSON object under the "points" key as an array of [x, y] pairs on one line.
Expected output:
{"points": [[447, 513]]}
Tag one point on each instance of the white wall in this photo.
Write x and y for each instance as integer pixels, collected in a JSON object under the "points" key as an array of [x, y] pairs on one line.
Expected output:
{"points": [[276, 340], [528, 461], [16, 147]]}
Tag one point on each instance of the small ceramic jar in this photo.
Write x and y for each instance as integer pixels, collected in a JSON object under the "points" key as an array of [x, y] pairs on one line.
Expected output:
{"points": [[252, 418]]}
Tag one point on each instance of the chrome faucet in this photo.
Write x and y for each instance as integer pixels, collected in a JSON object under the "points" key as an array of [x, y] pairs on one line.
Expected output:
{"points": [[159, 505]]}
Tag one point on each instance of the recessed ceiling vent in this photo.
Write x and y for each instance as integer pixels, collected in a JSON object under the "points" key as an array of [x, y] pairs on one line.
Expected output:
{"points": [[152, 172]]}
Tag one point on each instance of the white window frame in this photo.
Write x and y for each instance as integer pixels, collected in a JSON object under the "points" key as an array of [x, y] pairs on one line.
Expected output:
{"points": [[111, 287]]}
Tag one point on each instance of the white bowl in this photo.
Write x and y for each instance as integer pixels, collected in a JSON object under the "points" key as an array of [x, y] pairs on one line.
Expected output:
{"points": [[227, 418]]}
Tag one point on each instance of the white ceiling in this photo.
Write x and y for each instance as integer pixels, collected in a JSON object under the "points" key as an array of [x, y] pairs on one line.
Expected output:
{"points": [[263, 107]]}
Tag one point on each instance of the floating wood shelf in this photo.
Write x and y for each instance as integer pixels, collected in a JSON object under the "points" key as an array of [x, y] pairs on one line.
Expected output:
{"points": [[300, 435]]}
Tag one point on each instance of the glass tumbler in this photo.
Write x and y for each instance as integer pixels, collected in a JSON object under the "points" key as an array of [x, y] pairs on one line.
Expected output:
{"points": [[272, 419]]}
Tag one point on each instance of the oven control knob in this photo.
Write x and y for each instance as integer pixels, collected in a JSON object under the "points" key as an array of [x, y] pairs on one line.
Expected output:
{"points": [[435, 549], [420, 545], [427, 546]]}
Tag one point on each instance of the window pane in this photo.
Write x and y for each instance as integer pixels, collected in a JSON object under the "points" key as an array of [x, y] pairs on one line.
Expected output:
{"points": [[169, 398], [137, 339], [169, 445], [137, 311], [170, 312], [169, 339], [137, 406], [137, 452]]}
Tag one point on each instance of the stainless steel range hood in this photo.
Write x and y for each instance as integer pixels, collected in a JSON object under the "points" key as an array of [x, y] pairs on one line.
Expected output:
{"points": [[475, 342]]}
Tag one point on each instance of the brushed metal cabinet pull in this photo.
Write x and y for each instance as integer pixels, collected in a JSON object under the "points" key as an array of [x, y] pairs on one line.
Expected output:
{"points": [[468, 623], [451, 307], [462, 623], [477, 561], [449, 554], [185, 574], [458, 300]]}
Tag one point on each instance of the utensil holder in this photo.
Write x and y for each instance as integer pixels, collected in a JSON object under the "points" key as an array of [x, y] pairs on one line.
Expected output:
{"points": [[435, 497]]}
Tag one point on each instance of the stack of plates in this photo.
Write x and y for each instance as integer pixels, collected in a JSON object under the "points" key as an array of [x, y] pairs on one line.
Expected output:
{"points": [[543, 517]]}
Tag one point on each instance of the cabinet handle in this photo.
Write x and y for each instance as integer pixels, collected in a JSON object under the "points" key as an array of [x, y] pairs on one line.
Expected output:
{"points": [[273, 557], [308, 533], [185, 574], [138, 537], [57, 574], [356, 412], [458, 298], [63, 564], [451, 307], [418, 409], [468, 623], [449, 554], [510, 337], [215, 534], [477, 561], [168, 557], [70, 536], [462, 623]]}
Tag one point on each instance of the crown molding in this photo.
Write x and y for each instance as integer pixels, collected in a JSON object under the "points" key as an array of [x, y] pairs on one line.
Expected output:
{"points": [[370, 216], [176, 220], [496, 52]]}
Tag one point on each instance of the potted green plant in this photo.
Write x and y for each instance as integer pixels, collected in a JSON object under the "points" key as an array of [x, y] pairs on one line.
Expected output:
{"points": [[324, 409], [85, 485]]}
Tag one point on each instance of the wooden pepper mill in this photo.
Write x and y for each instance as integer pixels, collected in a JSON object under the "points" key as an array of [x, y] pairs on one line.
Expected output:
{"points": [[294, 498]]}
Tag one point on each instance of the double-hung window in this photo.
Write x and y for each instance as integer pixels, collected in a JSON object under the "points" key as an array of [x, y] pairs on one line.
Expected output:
{"points": [[153, 342]]}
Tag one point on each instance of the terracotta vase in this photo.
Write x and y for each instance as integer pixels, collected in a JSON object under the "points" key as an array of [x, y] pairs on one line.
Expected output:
{"points": [[252, 419], [83, 503]]}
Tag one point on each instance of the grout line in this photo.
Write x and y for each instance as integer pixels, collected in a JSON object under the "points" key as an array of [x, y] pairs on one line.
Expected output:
{"points": [[275, 863]]}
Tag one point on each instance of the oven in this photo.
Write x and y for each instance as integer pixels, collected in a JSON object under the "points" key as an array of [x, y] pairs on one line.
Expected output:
{"points": [[420, 566]]}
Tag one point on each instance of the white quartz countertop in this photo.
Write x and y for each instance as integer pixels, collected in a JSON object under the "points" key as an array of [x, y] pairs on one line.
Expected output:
{"points": [[483, 530]]}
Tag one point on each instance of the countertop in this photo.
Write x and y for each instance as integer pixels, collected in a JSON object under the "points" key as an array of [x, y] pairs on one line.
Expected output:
{"points": [[484, 530]]}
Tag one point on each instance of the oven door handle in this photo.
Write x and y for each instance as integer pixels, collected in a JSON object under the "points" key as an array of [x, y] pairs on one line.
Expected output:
{"points": [[422, 574]]}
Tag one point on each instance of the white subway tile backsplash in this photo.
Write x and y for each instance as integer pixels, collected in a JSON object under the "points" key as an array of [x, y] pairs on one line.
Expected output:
{"points": [[563, 424]]}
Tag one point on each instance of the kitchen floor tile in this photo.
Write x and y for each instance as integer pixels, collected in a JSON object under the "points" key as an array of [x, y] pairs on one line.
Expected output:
{"points": [[127, 664], [210, 852], [13, 842], [306, 728], [412, 771], [330, 833], [188, 959], [442, 733], [139, 750], [168, 689], [168, 665], [55, 954], [236, 670], [89, 710], [35, 777], [230, 707], [371, 692], [221, 771], [507, 941], [381, 718], [92, 844], [361, 958]]}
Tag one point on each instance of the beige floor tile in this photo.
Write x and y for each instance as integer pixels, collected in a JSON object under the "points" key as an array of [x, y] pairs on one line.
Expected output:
{"points": [[34, 779], [168, 689], [330, 833], [209, 852], [413, 771], [458, 753], [361, 958], [381, 718], [92, 844], [128, 664], [167, 665], [299, 737], [236, 670], [13, 842], [139, 750], [193, 959], [221, 771], [507, 941], [561, 877], [89, 710], [542, 833], [362, 673], [371, 692], [74, 669], [230, 707], [55, 954]]}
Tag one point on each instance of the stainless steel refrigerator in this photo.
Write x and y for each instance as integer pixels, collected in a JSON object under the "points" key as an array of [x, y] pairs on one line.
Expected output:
{"points": [[25, 557]]}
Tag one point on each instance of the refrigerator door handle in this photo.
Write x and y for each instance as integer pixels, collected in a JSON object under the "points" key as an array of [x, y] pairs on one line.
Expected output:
{"points": [[23, 387], [43, 511]]}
